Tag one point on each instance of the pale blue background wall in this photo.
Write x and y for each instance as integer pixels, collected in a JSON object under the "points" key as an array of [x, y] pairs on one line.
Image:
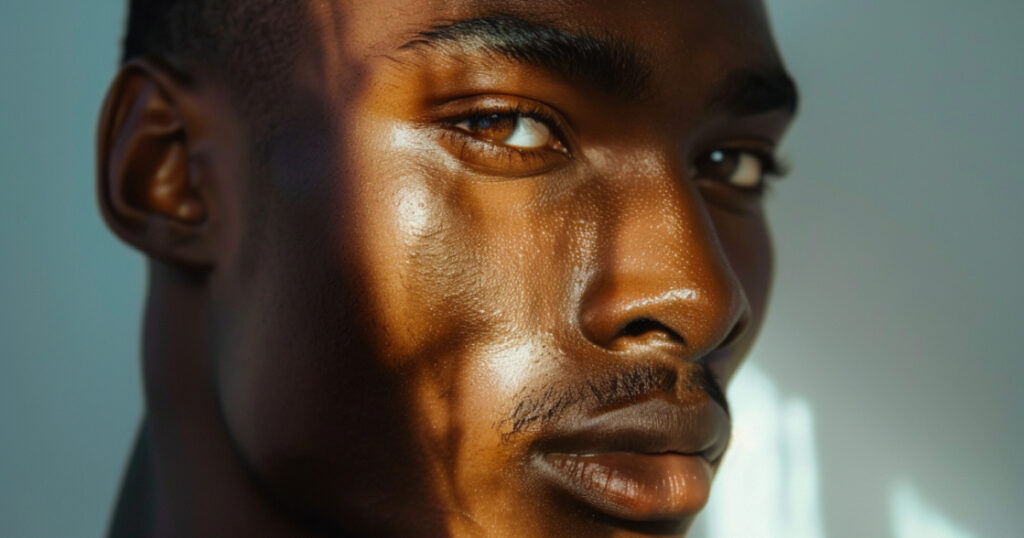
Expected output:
{"points": [[70, 296], [881, 401]]}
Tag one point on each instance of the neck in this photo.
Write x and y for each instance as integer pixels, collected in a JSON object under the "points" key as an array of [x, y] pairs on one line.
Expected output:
{"points": [[185, 478]]}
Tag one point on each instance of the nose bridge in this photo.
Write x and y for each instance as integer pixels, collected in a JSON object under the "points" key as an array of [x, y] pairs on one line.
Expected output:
{"points": [[661, 273]]}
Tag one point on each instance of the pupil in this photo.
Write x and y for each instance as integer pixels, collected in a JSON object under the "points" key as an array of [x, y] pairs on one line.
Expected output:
{"points": [[487, 122]]}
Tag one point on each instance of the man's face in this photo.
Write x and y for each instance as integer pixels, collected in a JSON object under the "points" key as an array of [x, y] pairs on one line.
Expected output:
{"points": [[495, 269]]}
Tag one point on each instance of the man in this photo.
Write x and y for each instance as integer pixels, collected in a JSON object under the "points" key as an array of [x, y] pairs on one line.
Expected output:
{"points": [[440, 268]]}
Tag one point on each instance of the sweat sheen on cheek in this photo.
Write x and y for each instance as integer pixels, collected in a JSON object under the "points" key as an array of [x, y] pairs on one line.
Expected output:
{"points": [[413, 204], [508, 365]]}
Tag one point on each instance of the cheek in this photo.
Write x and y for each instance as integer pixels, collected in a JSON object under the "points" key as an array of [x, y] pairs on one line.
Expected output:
{"points": [[449, 262], [483, 467], [313, 321], [748, 247], [747, 244], [299, 374], [418, 270], [465, 283]]}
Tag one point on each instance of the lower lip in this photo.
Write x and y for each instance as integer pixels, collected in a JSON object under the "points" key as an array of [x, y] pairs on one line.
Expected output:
{"points": [[632, 486]]}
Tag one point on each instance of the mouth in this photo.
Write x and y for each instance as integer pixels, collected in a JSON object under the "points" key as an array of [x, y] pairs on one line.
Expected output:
{"points": [[652, 461]]}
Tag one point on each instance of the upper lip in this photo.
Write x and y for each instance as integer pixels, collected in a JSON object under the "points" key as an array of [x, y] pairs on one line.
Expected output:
{"points": [[657, 425]]}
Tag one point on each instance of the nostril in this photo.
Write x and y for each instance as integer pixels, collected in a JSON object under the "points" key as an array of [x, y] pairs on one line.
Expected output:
{"points": [[642, 326]]}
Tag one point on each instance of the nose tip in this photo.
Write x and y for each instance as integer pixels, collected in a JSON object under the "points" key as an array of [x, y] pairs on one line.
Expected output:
{"points": [[644, 314]]}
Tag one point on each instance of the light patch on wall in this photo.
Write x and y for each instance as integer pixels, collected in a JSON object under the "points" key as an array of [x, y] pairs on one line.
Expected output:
{"points": [[768, 485], [770, 474], [912, 517]]}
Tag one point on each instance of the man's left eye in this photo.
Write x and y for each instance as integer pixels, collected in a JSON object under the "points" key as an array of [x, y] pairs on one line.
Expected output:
{"points": [[511, 129], [739, 168]]}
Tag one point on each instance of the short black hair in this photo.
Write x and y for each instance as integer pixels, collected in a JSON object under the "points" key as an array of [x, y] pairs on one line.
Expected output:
{"points": [[248, 42]]}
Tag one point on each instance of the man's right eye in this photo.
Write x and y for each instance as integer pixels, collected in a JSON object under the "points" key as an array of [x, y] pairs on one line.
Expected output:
{"points": [[506, 140], [515, 129]]}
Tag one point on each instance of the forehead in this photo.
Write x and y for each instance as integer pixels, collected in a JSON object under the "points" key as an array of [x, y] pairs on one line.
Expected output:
{"points": [[697, 35]]}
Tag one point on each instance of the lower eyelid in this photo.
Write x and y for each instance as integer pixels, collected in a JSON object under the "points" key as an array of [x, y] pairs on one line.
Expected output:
{"points": [[497, 146], [466, 141]]}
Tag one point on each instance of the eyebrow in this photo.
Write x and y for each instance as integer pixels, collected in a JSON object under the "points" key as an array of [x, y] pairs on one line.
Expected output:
{"points": [[604, 63]]}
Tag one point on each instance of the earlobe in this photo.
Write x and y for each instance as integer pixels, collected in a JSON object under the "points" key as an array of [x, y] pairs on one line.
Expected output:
{"points": [[148, 191]]}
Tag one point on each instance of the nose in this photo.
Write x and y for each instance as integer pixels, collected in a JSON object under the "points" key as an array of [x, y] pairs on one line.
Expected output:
{"points": [[660, 277]]}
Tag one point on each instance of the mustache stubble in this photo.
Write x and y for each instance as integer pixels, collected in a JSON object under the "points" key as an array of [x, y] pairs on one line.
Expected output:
{"points": [[551, 403]]}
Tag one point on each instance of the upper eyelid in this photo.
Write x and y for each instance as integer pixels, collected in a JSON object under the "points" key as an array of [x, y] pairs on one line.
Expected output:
{"points": [[550, 121], [451, 110]]}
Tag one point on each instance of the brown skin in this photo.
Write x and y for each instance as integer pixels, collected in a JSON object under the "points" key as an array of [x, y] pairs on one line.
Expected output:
{"points": [[341, 342]]}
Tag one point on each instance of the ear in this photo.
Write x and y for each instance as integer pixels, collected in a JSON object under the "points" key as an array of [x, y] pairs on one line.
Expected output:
{"points": [[150, 193]]}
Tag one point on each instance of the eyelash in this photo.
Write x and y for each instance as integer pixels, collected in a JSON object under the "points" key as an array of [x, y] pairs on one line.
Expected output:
{"points": [[775, 169], [515, 109]]}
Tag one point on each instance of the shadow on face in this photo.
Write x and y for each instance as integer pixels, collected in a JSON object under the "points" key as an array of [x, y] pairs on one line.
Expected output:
{"points": [[490, 267]]}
